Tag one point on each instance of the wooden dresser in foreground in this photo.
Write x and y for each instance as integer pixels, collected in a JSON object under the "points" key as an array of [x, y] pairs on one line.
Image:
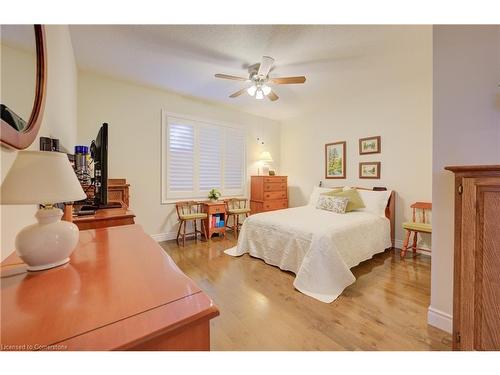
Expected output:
{"points": [[268, 193], [120, 291], [476, 294]]}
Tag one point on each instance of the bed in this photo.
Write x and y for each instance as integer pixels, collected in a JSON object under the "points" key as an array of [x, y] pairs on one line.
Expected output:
{"points": [[319, 247]]}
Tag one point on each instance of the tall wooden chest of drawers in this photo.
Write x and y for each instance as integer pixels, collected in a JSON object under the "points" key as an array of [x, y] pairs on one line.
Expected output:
{"points": [[268, 193], [476, 279]]}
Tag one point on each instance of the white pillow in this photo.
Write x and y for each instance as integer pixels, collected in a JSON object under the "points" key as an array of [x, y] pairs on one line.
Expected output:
{"points": [[313, 198], [375, 201]]}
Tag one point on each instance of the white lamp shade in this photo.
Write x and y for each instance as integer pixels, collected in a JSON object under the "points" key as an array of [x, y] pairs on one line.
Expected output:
{"points": [[266, 156], [41, 177]]}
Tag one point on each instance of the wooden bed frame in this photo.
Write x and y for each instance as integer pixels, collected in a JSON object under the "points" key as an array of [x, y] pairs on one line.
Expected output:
{"points": [[390, 210]]}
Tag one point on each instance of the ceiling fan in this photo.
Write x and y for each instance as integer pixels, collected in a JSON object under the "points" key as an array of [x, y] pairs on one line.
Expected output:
{"points": [[260, 80]]}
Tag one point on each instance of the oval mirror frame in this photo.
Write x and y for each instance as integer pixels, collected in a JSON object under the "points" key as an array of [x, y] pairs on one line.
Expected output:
{"points": [[21, 140]]}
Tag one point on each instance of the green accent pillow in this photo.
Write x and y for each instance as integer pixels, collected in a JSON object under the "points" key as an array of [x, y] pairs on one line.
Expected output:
{"points": [[355, 201], [330, 193]]}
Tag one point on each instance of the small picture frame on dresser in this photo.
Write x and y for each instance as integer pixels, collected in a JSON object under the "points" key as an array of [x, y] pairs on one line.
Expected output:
{"points": [[272, 172]]}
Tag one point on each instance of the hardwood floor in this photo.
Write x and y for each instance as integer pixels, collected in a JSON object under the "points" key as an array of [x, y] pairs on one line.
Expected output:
{"points": [[385, 309]]}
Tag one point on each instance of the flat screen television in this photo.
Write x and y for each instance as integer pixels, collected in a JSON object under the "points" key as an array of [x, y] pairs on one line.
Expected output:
{"points": [[99, 153]]}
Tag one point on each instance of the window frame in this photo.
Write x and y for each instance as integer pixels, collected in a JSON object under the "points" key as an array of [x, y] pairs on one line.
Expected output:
{"points": [[169, 197]]}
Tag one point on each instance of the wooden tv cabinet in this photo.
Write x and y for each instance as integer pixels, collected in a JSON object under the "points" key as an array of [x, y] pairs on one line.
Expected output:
{"points": [[120, 291], [118, 191], [103, 218]]}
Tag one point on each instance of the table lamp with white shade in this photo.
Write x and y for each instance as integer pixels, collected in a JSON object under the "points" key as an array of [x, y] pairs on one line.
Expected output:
{"points": [[265, 158], [46, 178]]}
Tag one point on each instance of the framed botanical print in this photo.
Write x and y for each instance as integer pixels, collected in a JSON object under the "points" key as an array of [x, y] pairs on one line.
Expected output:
{"points": [[335, 160], [370, 145], [369, 169]]}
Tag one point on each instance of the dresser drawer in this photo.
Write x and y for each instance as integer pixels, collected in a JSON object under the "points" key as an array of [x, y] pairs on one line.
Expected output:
{"points": [[275, 179], [270, 195], [274, 186], [216, 209], [275, 205]]}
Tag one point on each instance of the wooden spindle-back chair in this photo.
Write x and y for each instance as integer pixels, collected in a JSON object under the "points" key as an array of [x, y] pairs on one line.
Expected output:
{"points": [[190, 211], [234, 208]]}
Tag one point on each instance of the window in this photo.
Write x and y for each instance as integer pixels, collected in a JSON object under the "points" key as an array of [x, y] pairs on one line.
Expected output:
{"points": [[199, 155], [181, 155]]}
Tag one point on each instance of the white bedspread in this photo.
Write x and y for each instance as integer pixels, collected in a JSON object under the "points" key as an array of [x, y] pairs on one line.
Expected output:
{"points": [[318, 246]]}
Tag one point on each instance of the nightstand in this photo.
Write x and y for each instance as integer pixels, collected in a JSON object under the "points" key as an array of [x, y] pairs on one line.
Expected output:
{"points": [[216, 211]]}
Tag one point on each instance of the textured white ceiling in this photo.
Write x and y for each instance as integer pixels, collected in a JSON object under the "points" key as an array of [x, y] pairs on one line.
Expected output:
{"points": [[185, 58]]}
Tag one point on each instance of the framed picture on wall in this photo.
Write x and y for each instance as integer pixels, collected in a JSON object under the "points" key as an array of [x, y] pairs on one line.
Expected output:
{"points": [[335, 160], [369, 169], [369, 145]]}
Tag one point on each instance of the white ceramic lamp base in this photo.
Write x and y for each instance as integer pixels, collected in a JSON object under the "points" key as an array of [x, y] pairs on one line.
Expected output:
{"points": [[49, 243]]}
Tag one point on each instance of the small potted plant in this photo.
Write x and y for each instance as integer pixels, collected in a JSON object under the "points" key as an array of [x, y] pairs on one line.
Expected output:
{"points": [[214, 195]]}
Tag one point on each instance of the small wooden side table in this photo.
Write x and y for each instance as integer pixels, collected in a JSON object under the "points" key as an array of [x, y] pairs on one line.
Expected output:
{"points": [[212, 209]]}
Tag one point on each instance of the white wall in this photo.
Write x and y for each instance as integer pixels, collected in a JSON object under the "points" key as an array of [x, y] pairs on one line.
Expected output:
{"points": [[466, 131], [59, 121], [134, 116], [389, 95]]}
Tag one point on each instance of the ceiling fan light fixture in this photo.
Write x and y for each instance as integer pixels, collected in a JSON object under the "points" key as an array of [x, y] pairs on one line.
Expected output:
{"points": [[251, 90], [258, 80]]}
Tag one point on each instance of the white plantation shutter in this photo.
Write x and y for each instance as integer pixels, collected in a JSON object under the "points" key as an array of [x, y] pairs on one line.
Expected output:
{"points": [[210, 157], [180, 157], [198, 156], [234, 162]]}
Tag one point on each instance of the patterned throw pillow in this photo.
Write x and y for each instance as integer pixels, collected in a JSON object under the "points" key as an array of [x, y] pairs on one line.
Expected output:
{"points": [[334, 204], [355, 201]]}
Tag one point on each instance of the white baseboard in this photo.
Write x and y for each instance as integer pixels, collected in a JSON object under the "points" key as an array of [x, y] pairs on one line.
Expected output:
{"points": [[160, 237], [440, 319]]}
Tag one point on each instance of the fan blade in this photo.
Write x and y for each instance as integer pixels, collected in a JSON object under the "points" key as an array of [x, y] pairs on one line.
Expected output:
{"points": [[237, 93], [265, 66], [234, 78], [288, 80], [272, 96]]}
